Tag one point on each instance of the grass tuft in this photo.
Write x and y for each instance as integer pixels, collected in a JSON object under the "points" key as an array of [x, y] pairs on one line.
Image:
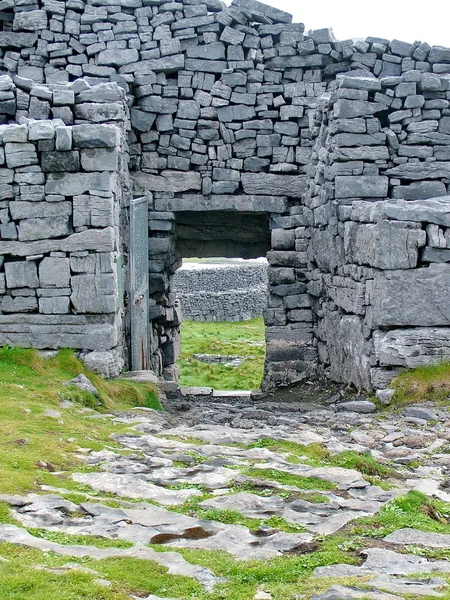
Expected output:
{"points": [[429, 383]]}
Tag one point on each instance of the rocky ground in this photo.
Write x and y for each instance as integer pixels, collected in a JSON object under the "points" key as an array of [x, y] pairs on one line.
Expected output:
{"points": [[261, 480]]}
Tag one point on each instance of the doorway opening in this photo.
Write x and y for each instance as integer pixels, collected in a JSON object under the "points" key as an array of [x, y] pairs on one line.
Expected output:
{"points": [[222, 333]]}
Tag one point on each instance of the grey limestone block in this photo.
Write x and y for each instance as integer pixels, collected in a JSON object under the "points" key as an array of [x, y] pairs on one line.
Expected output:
{"points": [[45, 331], [370, 186], [21, 274], [74, 184], [436, 255], [188, 109], [57, 161], [63, 141], [167, 64], [94, 293], [116, 58], [93, 211], [99, 159], [99, 113], [410, 298], [54, 306], [276, 185], [10, 39], [420, 190], [348, 294], [97, 240], [167, 181], [14, 133], [369, 153], [142, 120], [43, 228], [54, 272], [416, 171], [285, 258], [16, 158], [412, 347], [432, 210], [8, 231], [349, 351], [41, 130], [385, 245], [439, 54], [232, 36], [28, 210], [242, 203], [231, 113], [283, 239], [20, 304], [349, 109], [33, 20], [214, 51], [95, 136]]}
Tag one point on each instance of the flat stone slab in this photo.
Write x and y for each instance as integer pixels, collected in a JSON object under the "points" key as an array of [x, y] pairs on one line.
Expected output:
{"points": [[418, 587], [130, 486], [344, 478], [409, 537], [339, 592], [385, 562], [150, 524]]}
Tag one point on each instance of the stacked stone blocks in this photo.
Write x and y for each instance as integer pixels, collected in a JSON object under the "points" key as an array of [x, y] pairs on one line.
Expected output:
{"points": [[232, 109]]}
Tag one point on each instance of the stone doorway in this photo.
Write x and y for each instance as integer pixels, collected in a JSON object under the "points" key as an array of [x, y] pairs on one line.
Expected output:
{"points": [[246, 229]]}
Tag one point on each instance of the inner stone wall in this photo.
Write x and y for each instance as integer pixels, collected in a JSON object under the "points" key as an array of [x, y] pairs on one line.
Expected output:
{"points": [[222, 292], [228, 109]]}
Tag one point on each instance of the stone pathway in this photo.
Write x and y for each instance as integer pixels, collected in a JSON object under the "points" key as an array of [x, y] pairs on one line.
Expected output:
{"points": [[211, 456]]}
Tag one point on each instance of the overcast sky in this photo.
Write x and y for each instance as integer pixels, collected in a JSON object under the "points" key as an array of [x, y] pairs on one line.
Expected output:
{"points": [[407, 20]]}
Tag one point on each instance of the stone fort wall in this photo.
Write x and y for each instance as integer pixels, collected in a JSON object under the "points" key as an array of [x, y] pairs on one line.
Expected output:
{"points": [[222, 292], [343, 146]]}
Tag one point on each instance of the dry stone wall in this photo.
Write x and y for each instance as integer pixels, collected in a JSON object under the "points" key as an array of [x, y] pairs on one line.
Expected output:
{"points": [[378, 256], [233, 109], [62, 188], [222, 292]]}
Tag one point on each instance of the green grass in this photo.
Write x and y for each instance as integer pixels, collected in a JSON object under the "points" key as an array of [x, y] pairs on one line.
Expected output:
{"points": [[430, 383], [67, 539], [317, 455], [230, 339], [414, 510], [33, 446], [303, 483]]}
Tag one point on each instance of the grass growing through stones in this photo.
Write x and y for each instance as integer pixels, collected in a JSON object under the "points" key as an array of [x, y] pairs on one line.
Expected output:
{"points": [[317, 455], [226, 339], [300, 481], [430, 383], [67, 539], [35, 448], [414, 510]]}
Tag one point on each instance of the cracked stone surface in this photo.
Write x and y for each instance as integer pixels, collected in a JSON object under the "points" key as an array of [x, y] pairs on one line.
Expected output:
{"points": [[172, 561], [166, 462]]}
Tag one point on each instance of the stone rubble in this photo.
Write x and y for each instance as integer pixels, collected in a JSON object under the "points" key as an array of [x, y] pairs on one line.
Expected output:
{"points": [[156, 457]]}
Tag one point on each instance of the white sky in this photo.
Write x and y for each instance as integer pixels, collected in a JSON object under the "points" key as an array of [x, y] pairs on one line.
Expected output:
{"points": [[406, 20]]}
